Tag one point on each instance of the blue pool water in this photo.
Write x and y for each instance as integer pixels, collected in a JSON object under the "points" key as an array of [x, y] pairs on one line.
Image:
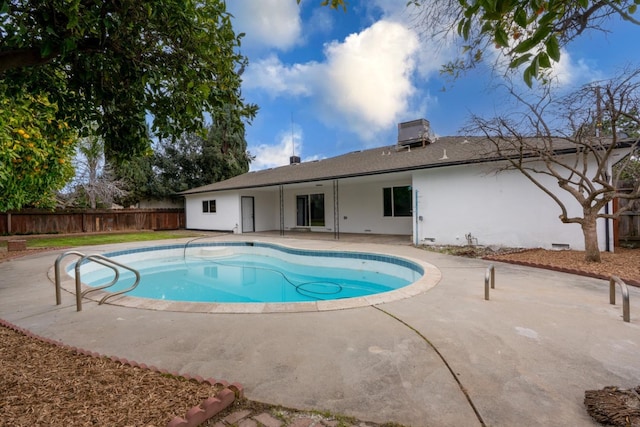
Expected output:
{"points": [[260, 272]]}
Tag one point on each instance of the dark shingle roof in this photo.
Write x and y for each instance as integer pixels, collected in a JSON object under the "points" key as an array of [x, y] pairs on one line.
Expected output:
{"points": [[445, 151]]}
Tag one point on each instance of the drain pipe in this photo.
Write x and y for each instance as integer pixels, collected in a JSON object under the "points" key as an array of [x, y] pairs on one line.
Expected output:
{"points": [[607, 222], [417, 230]]}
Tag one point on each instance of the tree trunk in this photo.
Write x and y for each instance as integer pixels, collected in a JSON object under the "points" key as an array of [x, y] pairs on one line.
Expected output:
{"points": [[590, 231]]}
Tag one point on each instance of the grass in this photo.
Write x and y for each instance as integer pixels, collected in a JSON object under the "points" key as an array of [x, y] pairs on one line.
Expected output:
{"points": [[102, 239]]}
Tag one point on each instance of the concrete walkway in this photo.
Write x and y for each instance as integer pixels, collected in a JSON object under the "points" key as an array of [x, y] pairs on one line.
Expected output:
{"points": [[445, 357]]}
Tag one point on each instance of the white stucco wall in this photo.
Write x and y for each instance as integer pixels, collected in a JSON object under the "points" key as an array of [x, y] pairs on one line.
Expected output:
{"points": [[266, 215], [226, 217], [362, 206], [497, 209]]}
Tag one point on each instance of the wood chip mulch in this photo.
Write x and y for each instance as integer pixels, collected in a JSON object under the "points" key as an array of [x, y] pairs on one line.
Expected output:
{"points": [[612, 406], [624, 262], [47, 384]]}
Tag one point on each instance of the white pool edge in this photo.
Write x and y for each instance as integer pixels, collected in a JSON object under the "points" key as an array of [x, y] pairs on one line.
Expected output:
{"points": [[431, 277]]}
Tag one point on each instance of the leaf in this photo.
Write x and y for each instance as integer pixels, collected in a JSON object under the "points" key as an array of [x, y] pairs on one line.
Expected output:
{"points": [[520, 17], [46, 50], [520, 60], [632, 9], [524, 46], [528, 77], [543, 60], [553, 48], [501, 37], [5, 7], [470, 11], [540, 34]]}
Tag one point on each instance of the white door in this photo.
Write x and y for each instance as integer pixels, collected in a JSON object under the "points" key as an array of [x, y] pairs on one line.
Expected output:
{"points": [[248, 222]]}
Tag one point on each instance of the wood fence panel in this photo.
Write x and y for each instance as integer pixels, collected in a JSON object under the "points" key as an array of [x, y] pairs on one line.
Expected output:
{"points": [[629, 222], [77, 221]]}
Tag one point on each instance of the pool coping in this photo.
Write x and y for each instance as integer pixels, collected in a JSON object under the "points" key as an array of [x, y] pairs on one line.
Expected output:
{"points": [[431, 277]]}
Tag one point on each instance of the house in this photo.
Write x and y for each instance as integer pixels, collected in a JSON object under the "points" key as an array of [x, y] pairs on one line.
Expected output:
{"points": [[433, 190]]}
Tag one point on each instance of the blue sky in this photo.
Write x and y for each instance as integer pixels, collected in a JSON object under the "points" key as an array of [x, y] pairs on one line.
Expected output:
{"points": [[329, 82]]}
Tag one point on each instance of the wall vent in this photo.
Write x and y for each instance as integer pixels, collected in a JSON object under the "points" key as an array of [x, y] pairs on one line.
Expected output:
{"points": [[416, 132], [560, 246]]}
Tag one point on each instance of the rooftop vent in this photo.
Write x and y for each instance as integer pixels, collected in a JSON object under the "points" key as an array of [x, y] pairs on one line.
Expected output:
{"points": [[416, 132], [294, 160]]}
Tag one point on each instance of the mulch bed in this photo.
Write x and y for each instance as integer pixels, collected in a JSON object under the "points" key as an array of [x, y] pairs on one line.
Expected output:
{"points": [[612, 406], [46, 384]]}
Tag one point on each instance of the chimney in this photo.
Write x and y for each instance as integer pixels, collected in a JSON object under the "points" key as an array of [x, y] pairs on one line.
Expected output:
{"points": [[294, 160], [416, 132]]}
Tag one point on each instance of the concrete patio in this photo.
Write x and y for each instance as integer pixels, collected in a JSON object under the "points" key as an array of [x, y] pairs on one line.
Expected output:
{"points": [[444, 357]]}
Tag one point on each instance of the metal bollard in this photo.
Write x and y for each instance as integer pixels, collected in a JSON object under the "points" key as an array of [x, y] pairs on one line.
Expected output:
{"points": [[626, 316], [489, 276]]}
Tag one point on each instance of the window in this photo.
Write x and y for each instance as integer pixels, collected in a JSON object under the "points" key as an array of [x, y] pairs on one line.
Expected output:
{"points": [[310, 210], [209, 206], [397, 201]]}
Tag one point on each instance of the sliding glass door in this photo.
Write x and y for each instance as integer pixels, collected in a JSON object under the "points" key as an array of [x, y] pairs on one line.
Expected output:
{"points": [[310, 210]]}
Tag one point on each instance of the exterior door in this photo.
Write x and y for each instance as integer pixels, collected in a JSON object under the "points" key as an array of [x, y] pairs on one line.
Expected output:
{"points": [[248, 215], [302, 211]]}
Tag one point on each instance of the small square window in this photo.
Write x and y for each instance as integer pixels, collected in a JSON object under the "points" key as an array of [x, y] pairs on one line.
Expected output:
{"points": [[208, 206]]}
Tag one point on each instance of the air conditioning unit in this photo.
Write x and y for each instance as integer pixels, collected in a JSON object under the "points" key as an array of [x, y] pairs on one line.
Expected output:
{"points": [[416, 132]]}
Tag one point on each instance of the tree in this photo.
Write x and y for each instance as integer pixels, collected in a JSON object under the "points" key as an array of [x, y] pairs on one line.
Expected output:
{"points": [[562, 138], [194, 161], [36, 148], [528, 32], [118, 63], [94, 178], [189, 162]]}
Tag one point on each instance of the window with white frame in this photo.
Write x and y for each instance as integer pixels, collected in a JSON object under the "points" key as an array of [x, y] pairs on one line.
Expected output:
{"points": [[208, 206]]}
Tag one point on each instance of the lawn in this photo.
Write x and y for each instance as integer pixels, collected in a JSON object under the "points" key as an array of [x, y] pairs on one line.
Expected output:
{"points": [[54, 241]]}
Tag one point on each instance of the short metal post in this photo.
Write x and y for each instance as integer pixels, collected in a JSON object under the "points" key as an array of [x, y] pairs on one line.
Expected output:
{"points": [[489, 276], [626, 316]]}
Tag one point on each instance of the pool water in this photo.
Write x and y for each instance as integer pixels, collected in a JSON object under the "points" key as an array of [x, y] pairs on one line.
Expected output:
{"points": [[257, 274]]}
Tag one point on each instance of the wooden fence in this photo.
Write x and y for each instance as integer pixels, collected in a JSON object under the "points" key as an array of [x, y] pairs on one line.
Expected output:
{"points": [[628, 227], [88, 221]]}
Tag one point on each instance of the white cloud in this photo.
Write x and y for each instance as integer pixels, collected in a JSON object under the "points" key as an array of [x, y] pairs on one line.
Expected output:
{"points": [[267, 23], [275, 155], [364, 85], [368, 77], [278, 79], [568, 72]]}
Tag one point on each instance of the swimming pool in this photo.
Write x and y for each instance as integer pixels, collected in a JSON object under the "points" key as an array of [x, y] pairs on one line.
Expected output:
{"points": [[249, 272]]}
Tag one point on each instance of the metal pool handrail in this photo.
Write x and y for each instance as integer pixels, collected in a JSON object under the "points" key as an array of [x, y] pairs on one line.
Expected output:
{"points": [[57, 273], [107, 262], [100, 260], [626, 316], [104, 261]]}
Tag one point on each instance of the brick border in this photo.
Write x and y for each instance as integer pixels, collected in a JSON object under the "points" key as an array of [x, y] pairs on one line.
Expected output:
{"points": [[195, 416]]}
